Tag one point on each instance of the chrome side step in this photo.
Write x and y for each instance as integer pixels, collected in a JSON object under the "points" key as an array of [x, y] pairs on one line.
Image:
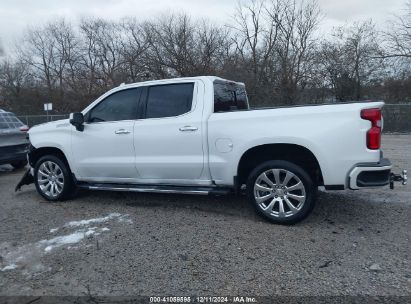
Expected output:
{"points": [[158, 189]]}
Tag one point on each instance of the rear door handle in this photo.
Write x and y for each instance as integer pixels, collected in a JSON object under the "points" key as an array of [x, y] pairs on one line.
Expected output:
{"points": [[188, 129], [122, 131]]}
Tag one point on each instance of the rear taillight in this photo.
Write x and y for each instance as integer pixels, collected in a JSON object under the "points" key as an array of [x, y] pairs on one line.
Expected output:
{"points": [[373, 134], [24, 128]]}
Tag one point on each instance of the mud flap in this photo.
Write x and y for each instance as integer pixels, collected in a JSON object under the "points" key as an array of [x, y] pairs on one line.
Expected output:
{"points": [[27, 179]]}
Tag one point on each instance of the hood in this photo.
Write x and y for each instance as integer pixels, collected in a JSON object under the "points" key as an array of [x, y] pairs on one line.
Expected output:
{"points": [[49, 126]]}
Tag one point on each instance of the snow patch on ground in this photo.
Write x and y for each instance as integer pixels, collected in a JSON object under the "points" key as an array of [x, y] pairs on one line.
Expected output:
{"points": [[28, 257], [125, 220], [65, 239], [82, 223], [9, 267], [93, 221]]}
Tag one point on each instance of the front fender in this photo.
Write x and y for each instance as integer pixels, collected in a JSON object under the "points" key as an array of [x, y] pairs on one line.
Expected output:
{"points": [[54, 135]]}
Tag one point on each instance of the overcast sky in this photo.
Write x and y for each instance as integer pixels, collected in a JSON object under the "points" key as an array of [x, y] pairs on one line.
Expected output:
{"points": [[17, 15]]}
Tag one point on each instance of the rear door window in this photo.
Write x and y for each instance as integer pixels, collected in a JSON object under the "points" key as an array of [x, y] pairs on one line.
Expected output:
{"points": [[169, 100]]}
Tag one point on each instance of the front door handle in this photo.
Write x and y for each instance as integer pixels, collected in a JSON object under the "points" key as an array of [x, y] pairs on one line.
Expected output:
{"points": [[188, 129], [122, 131]]}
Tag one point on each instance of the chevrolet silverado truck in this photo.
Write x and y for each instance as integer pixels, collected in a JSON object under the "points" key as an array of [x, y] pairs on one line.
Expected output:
{"points": [[199, 136]]}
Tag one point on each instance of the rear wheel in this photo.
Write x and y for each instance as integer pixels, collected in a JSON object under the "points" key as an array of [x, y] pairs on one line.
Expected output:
{"points": [[19, 164], [52, 178], [281, 192]]}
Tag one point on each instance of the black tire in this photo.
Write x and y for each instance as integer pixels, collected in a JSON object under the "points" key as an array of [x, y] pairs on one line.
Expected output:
{"points": [[19, 164], [300, 174], [68, 187]]}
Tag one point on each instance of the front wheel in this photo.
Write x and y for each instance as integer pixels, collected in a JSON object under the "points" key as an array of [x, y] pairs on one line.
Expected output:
{"points": [[281, 192], [52, 178]]}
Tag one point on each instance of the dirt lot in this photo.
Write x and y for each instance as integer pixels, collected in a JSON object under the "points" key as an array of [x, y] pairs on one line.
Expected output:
{"points": [[108, 243]]}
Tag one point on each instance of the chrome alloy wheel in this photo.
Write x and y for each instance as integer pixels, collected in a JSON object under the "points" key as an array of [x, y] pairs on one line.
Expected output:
{"points": [[50, 179], [279, 193]]}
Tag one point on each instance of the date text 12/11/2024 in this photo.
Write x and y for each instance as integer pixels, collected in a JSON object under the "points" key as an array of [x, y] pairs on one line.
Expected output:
{"points": [[216, 299]]}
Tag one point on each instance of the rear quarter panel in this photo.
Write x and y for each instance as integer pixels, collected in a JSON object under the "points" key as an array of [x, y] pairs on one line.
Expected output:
{"points": [[335, 134]]}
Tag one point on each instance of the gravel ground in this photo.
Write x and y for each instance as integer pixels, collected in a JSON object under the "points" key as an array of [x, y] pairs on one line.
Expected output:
{"points": [[107, 243]]}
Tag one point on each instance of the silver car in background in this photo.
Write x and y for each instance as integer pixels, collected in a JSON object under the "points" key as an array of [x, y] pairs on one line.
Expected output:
{"points": [[14, 144]]}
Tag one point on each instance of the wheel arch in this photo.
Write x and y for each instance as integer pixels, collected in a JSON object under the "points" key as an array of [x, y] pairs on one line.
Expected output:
{"points": [[36, 153], [294, 153]]}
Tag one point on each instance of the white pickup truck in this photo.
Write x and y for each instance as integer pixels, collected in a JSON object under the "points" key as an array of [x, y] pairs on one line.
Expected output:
{"points": [[199, 136]]}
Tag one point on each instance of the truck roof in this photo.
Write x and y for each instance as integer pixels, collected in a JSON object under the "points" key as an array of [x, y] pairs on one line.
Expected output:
{"points": [[206, 78]]}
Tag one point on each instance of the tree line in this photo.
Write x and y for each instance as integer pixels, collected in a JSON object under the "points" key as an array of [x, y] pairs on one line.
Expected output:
{"points": [[274, 46]]}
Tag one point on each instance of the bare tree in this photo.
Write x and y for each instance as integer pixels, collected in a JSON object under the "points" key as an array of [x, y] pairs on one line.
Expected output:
{"points": [[171, 45], [15, 78], [37, 50], [271, 45], [399, 39], [87, 71], [65, 54], [51, 52], [254, 37], [295, 50], [211, 48], [102, 50], [350, 60], [179, 47], [275, 41], [134, 45]]}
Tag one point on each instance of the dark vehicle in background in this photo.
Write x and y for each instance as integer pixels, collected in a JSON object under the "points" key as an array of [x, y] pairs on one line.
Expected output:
{"points": [[13, 140]]}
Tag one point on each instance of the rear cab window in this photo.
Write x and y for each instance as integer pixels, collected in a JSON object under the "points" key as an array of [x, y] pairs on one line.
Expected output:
{"points": [[229, 96]]}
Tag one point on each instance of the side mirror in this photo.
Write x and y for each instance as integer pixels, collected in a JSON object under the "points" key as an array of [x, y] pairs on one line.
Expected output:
{"points": [[77, 120]]}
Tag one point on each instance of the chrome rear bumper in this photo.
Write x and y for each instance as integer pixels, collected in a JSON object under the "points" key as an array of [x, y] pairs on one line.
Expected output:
{"points": [[367, 175]]}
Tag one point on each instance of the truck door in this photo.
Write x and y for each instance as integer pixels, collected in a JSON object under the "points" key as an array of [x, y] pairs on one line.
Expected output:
{"points": [[169, 139], [104, 151]]}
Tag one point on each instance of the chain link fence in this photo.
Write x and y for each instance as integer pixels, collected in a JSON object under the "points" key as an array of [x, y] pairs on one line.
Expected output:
{"points": [[397, 118]]}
